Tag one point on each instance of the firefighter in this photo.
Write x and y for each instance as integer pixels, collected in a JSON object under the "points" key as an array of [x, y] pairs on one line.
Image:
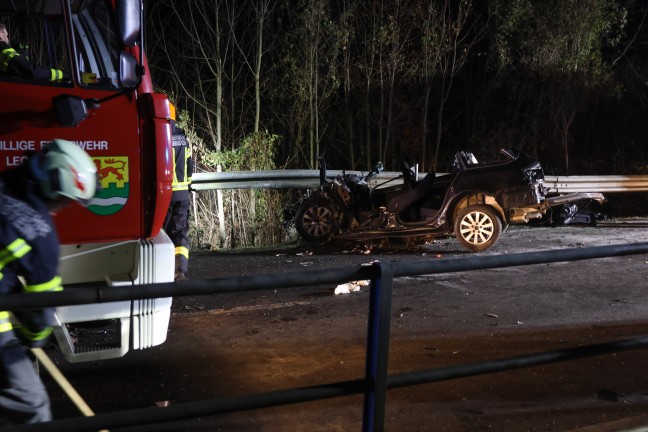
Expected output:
{"points": [[13, 63], [29, 251], [176, 222]]}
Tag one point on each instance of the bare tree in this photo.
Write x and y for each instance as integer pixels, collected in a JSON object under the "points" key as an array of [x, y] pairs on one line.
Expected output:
{"points": [[449, 35], [367, 28], [310, 72], [349, 8], [198, 80], [398, 64], [560, 46], [262, 10]]}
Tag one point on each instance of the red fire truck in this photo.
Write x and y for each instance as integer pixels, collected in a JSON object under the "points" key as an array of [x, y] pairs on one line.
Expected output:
{"points": [[106, 105]]}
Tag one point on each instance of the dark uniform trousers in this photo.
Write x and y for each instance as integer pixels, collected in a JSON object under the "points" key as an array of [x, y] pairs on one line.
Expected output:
{"points": [[176, 225], [23, 398]]}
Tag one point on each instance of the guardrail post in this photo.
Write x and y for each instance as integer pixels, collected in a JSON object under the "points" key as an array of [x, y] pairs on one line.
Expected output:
{"points": [[380, 300]]}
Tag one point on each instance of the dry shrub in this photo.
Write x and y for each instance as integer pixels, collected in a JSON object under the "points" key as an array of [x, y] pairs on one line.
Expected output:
{"points": [[253, 217]]}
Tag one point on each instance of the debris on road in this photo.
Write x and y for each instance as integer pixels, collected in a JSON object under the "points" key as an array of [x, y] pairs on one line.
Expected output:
{"points": [[350, 287]]}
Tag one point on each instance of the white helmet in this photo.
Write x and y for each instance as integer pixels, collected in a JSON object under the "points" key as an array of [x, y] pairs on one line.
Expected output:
{"points": [[64, 170]]}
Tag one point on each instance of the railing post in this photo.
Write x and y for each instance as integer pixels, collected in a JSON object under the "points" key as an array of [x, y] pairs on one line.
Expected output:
{"points": [[380, 300]]}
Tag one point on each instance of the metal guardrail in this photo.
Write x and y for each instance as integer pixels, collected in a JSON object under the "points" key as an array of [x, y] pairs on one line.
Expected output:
{"points": [[305, 179], [376, 381], [279, 179], [602, 184]]}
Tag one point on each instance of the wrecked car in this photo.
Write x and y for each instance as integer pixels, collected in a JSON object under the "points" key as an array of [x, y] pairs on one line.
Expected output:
{"points": [[473, 202]]}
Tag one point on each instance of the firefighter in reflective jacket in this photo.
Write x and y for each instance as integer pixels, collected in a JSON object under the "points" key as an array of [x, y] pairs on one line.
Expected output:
{"points": [[29, 251], [176, 222], [12, 63]]}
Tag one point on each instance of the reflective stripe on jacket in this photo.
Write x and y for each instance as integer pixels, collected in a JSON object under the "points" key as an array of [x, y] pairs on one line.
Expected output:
{"points": [[6, 55], [27, 333], [5, 322], [16, 250], [12, 63]]}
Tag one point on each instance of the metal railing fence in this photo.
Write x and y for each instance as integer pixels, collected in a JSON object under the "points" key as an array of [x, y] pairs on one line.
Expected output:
{"points": [[376, 381], [307, 179]]}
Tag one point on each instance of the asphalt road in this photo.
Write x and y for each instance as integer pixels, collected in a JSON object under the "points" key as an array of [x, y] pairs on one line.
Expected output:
{"points": [[237, 344]]}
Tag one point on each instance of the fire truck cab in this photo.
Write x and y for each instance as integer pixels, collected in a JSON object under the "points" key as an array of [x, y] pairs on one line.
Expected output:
{"points": [[104, 103]]}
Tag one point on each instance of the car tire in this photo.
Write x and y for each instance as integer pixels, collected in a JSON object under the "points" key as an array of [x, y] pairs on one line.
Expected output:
{"points": [[477, 227], [316, 220]]}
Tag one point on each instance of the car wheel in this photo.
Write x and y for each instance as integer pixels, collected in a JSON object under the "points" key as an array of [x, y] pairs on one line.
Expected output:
{"points": [[477, 227], [316, 220]]}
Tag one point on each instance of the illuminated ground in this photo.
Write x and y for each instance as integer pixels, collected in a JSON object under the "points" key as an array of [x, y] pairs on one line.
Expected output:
{"points": [[239, 344]]}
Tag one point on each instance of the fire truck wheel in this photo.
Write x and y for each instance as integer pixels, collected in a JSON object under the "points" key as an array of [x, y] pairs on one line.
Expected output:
{"points": [[477, 227]]}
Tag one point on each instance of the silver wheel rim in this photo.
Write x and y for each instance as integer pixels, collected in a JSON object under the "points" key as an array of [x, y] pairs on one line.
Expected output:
{"points": [[317, 221], [477, 228]]}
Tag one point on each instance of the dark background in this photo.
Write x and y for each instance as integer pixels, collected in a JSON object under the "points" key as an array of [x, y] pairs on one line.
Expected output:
{"points": [[362, 81]]}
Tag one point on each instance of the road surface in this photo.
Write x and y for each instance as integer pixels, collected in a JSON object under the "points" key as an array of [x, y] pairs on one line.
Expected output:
{"points": [[243, 343]]}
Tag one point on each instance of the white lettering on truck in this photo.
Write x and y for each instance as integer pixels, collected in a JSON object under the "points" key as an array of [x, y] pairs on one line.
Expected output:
{"points": [[92, 145], [15, 160], [20, 145]]}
